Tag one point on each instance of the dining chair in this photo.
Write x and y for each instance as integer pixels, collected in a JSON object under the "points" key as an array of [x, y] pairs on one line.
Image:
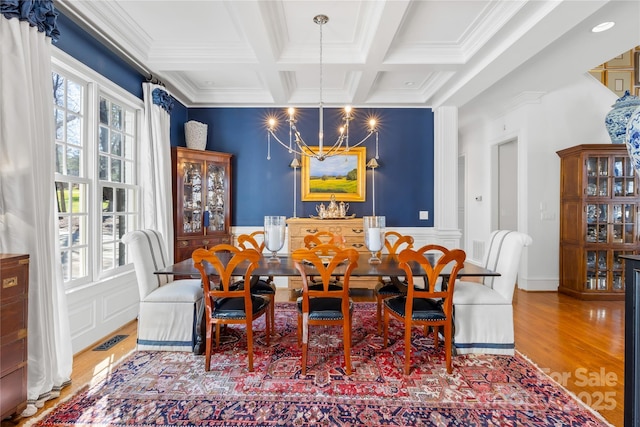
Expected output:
{"points": [[483, 316], [321, 238], [228, 304], [391, 286], [325, 305], [170, 310], [431, 306], [259, 285]]}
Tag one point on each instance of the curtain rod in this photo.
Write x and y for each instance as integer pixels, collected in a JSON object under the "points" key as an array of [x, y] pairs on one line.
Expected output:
{"points": [[155, 80]]}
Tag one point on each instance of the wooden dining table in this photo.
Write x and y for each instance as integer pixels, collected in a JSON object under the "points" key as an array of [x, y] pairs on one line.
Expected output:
{"points": [[285, 267], [388, 266]]}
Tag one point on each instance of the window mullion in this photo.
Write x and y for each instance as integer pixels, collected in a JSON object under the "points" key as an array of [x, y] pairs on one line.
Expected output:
{"points": [[92, 160]]}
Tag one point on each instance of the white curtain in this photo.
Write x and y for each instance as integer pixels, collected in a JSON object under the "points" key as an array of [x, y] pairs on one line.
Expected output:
{"points": [[155, 163], [27, 198]]}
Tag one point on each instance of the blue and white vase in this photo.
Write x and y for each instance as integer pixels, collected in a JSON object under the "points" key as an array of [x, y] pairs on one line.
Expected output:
{"points": [[632, 139], [616, 120]]}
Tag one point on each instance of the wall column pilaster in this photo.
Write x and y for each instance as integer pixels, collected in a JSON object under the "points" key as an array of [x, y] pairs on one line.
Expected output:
{"points": [[445, 180]]}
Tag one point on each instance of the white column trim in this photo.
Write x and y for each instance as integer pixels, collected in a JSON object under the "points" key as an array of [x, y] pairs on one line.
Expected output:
{"points": [[445, 167]]}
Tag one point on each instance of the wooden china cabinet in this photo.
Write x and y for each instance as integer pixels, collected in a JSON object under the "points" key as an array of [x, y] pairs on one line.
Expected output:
{"points": [[598, 220], [201, 199]]}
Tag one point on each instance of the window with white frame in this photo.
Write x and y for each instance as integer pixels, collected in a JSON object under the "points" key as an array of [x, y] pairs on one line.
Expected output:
{"points": [[96, 172]]}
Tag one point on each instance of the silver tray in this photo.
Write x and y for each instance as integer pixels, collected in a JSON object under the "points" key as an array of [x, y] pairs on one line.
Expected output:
{"points": [[335, 217]]}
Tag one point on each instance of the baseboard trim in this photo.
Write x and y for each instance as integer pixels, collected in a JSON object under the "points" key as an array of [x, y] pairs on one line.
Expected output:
{"points": [[538, 285]]}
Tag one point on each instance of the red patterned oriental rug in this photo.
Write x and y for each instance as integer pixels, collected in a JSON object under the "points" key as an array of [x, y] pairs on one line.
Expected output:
{"points": [[173, 389]]}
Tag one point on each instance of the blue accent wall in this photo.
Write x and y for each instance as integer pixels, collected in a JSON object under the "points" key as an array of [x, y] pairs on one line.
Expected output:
{"points": [[403, 182], [179, 116]]}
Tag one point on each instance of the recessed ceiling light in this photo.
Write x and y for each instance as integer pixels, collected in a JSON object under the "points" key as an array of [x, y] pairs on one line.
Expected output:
{"points": [[209, 83], [409, 84], [602, 27]]}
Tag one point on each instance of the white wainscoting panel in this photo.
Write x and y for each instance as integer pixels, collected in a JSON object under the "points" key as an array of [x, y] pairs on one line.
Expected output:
{"points": [[99, 309]]}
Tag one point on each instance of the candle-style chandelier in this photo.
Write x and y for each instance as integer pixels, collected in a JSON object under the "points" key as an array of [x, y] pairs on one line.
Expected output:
{"points": [[298, 145]]}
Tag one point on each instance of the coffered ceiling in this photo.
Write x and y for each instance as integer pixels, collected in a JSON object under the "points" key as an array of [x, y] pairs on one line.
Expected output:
{"points": [[375, 53]]}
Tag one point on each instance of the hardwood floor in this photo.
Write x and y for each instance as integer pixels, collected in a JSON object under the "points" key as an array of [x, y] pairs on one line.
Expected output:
{"points": [[579, 343]]}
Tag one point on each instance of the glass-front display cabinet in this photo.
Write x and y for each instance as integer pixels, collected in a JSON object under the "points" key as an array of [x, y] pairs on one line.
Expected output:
{"points": [[201, 199], [598, 220]]}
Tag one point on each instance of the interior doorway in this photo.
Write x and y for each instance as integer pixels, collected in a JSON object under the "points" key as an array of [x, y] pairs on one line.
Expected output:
{"points": [[505, 184]]}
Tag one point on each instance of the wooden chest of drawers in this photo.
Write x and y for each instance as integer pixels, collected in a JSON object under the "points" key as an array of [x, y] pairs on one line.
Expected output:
{"points": [[14, 279], [351, 229], [185, 247]]}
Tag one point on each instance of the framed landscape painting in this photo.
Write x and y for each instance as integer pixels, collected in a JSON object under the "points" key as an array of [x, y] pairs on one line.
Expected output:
{"points": [[343, 175]]}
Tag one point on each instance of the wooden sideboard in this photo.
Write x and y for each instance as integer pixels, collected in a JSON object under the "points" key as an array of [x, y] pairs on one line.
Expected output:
{"points": [[14, 276], [352, 229]]}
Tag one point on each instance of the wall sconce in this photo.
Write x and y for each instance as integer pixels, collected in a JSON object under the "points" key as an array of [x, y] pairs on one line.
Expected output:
{"points": [[373, 165], [295, 164]]}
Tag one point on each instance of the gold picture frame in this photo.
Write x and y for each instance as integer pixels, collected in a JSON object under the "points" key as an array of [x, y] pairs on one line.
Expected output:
{"points": [[619, 81], [342, 175]]}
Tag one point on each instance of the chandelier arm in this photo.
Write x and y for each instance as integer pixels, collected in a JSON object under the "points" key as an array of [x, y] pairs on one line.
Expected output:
{"points": [[325, 153], [335, 147], [302, 145], [305, 149], [363, 139], [287, 146]]}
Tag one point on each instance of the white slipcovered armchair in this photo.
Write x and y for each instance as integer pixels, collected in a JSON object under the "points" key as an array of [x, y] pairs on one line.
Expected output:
{"points": [[170, 310], [483, 312]]}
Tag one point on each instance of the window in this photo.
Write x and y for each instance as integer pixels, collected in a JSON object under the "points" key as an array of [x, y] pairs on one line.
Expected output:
{"points": [[117, 178], [96, 173]]}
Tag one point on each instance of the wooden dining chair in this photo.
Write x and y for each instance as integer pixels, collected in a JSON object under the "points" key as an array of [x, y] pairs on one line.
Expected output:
{"points": [[322, 238], [391, 286], [227, 303], [325, 305], [431, 306], [259, 285]]}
